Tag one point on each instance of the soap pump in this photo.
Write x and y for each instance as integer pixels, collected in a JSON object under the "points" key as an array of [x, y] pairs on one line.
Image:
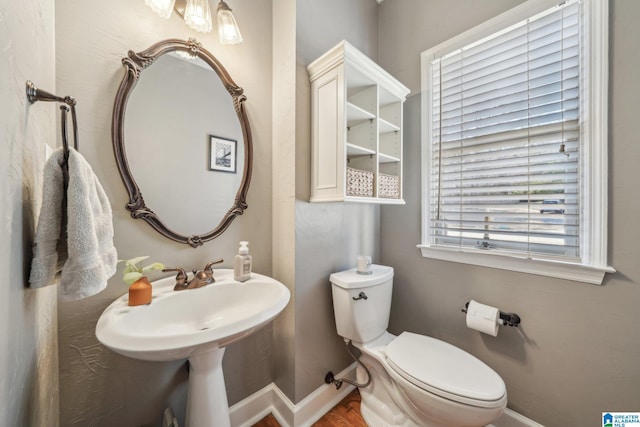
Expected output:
{"points": [[242, 263]]}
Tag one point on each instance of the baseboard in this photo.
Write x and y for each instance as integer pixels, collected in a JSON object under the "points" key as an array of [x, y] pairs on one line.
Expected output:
{"points": [[253, 408], [314, 406], [513, 419], [271, 400]]}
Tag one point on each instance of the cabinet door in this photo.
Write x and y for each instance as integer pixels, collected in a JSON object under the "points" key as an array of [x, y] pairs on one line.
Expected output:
{"points": [[328, 137]]}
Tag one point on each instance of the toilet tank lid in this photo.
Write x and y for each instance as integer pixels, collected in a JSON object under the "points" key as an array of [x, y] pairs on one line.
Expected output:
{"points": [[350, 279]]}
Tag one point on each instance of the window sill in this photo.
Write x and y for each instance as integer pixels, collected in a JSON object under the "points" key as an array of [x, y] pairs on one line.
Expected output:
{"points": [[541, 267]]}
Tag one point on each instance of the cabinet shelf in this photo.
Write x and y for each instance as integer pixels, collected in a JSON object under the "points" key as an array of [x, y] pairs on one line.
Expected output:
{"points": [[386, 127], [385, 158], [357, 115], [354, 150], [356, 118]]}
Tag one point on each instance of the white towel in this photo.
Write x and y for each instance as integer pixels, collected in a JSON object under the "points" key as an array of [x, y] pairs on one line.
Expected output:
{"points": [[76, 243]]}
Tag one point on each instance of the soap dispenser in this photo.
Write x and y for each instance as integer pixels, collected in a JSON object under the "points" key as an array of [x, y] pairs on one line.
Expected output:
{"points": [[242, 263]]}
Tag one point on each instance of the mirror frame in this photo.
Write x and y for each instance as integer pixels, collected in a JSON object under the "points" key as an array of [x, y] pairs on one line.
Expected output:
{"points": [[134, 64]]}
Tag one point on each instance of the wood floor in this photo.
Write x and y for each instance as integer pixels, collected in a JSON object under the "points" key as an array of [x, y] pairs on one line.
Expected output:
{"points": [[344, 414]]}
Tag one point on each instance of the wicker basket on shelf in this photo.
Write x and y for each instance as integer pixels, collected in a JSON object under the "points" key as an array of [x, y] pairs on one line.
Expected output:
{"points": [[389, 186], [359, 183]]}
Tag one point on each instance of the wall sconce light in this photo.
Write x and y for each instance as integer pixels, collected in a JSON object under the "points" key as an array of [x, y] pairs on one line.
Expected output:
{"points": [[161, 7], [197, 15], [228, 31]]}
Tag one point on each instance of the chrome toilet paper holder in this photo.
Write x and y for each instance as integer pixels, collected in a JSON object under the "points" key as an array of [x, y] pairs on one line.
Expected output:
{"points": [[508, 319]]}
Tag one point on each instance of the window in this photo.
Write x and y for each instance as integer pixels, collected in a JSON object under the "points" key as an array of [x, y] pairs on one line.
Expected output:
{"points": [[515, 149]]}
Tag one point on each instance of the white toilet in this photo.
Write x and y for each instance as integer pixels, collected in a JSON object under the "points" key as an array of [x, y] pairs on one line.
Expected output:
{"points": [[416, 381]]}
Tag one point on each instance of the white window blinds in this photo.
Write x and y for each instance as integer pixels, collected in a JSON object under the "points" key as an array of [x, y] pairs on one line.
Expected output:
{"points": [[505, 140]]}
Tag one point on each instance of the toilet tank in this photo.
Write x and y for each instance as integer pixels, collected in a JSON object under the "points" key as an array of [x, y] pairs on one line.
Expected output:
{"points": [[362, 318]]}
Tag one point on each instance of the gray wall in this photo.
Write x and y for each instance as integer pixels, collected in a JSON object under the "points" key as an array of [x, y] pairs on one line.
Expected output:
{"points": [[283, 188], [97, 386], [576, 353], [329, 236], [28, 323], [322, 25], [574, 356]]}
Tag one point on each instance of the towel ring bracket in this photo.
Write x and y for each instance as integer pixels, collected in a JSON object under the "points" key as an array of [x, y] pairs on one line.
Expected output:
{"points": [[34, 95]]}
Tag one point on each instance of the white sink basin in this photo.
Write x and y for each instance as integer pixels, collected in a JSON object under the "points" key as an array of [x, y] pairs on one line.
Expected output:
{"points": [[178, 323], [194, 324]]}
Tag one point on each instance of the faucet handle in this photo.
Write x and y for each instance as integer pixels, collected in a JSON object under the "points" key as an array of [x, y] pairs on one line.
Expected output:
{"points": [[207, 271], [181, 277], [208, 267]]}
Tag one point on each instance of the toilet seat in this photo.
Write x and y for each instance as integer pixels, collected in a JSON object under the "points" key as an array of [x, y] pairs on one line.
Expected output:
{"points": [[445, 370]]}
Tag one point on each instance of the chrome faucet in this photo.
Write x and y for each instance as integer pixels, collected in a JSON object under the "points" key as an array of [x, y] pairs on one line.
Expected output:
{"points": [[200, 278]]}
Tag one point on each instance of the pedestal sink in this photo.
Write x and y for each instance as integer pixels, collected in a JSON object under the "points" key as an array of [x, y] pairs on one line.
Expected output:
{"points": [[194, 324]]}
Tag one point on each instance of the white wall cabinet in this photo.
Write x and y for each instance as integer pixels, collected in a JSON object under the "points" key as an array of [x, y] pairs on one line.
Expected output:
{"points": [[356, 129]]}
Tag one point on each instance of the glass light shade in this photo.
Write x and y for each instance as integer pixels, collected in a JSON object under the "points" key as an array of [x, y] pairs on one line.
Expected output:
{"points": [[228, 30], [197, 15], [161, 7]]}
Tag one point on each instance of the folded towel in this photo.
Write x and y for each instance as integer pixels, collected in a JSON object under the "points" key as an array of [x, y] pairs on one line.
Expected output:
{"points": [[49, 243], [76, 243]]}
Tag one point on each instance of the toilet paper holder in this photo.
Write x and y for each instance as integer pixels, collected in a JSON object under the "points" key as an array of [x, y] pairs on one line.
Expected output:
{"points": [[508, 319]]}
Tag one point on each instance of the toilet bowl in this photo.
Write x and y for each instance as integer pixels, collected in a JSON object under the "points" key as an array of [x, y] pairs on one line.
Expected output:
{"points": [[416, 381]]}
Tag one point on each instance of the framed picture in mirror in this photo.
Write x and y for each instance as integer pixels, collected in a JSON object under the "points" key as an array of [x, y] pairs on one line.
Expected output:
{"points": [[222, 152]]}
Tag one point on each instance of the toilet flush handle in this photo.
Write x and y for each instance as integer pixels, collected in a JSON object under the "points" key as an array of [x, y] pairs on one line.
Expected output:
{"points": [[361, 295]]}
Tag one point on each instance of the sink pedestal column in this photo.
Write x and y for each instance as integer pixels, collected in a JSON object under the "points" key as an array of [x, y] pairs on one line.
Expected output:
{"points": [[207, 399]]}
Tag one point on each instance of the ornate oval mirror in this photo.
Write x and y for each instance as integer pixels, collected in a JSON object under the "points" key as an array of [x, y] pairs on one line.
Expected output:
{"points": [[183, 136]]}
